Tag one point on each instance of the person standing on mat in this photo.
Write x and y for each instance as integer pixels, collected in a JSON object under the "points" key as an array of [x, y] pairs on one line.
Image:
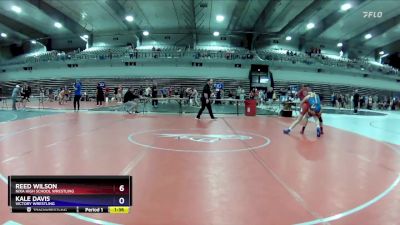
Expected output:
{"points": [[99, 95], [356, 101], [131, 101], [78, 94], [14, 96], [154, 95], [205, 99]]}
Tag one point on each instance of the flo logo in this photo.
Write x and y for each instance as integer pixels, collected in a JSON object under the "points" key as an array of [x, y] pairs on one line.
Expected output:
{"points": [[207, 138], [372, 14]]}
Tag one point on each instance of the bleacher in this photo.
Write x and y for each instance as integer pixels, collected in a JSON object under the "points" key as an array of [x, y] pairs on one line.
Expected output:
{"points": [[202, 53], [325, 61]]}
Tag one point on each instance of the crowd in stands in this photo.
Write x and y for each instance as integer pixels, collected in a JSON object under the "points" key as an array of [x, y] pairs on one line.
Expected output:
{"points": [[314, 57], [371, 102], [311, 56]]}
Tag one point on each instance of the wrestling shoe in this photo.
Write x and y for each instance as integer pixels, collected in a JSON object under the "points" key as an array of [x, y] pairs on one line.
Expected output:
{"points": [[318, 132], [286, 131]]}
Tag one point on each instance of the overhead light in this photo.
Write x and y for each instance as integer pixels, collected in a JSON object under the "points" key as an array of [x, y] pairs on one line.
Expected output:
{"points": [[340, 44], [310, 26], [220, 18], [345, 7], [288, 38], [4, 35], [362, 68], [146, 33], [86, 36], [368, 36], [129, 18], [58, 25], [33, 42], [16, 9], [381, 52], [216, 33]]}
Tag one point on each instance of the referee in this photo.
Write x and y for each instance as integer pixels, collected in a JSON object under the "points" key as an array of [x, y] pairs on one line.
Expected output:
{"points": [[205, 99]]}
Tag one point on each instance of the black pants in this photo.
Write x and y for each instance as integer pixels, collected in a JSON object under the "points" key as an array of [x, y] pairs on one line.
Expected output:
{"points": [[204, 104], [100, 99], [355, 107], [154, 102], [77, 100]]}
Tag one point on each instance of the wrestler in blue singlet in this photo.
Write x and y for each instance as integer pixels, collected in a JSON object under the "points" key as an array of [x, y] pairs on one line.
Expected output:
{"points": [[315, 103]]}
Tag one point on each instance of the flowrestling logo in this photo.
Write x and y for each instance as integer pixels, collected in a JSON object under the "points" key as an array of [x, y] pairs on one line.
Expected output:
{"points": [[373, 14], [199, 140], [207, 138]]}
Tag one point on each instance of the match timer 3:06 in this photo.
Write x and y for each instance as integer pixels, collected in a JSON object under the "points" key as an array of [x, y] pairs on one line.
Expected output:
{"points": [[80, 194]]}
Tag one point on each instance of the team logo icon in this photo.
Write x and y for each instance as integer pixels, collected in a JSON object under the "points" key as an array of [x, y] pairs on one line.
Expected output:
{"points": [[206, 138]]}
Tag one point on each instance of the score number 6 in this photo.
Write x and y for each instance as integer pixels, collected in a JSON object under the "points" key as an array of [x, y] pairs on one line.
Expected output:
{"points": [[121, 189]]}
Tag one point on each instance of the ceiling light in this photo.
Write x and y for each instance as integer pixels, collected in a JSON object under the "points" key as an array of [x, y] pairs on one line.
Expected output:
{"points": [[58, 25], [16, 9], [129, 18], [340, 44], [381, 52], [345, 7], [33, 41], [310, 26], [4, 35], [368, 36], [146, 33], [216, 33], [220, 18], [288, 38]]}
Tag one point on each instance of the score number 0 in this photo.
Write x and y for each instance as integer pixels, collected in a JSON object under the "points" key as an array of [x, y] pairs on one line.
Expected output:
{"points": [[121, 189]]}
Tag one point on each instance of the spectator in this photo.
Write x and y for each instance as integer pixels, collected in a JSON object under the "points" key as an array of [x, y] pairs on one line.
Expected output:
{"points": [[120, 91], [116, 93], [15, 94], [218, 96], [130, 101], [25, 94], [61, 96], [230, 96], [140, 91], [147, 92], [356, 101], [107, 93], [333, 99], [154, 93], [77, 94], [99, 95], [195, 97], [369, 104], [110, 55]]}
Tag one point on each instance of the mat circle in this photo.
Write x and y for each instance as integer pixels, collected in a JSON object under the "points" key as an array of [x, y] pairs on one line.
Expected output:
{"points": [[192, 140]]}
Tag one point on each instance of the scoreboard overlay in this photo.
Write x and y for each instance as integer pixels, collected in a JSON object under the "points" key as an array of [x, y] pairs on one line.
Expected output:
{"points": [[72, 194]]}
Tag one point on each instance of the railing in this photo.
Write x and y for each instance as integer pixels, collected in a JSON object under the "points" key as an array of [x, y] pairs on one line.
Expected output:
{"points": [[184, 106], [133, 54], [165, 105]]}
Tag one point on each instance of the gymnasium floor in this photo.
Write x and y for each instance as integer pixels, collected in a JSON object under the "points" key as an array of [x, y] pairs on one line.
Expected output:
{"points": [[236, 170]]}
